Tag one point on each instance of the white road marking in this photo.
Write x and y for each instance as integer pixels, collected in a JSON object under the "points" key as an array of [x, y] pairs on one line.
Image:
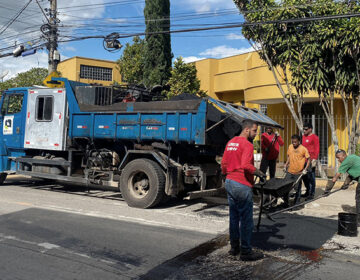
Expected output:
{"points": [[50, 246]]}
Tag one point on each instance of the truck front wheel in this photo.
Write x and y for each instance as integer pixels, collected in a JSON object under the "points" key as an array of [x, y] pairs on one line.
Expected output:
{"points": [[142, 183]]}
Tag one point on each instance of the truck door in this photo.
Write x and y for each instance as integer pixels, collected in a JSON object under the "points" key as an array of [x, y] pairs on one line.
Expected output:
{"points": [[12, 120], [45, 119]]}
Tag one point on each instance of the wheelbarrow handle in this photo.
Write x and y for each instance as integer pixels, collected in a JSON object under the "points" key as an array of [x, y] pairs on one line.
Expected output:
{"points": [[262, 183]]}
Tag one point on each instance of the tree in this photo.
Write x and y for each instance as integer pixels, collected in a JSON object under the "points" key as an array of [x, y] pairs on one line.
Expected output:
{"points": [[131, 63], [183, 79], [321, 56], [34, 76], [158, 54]]}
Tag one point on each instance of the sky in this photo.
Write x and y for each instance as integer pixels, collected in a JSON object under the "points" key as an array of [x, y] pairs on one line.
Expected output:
{"points": [[79, 18]]}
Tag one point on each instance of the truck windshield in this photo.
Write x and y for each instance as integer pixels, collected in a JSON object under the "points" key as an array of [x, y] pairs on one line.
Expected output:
{"points": [[12, 103]]}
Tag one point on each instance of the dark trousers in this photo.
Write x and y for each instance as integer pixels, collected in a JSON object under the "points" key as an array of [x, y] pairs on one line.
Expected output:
{"points": [[357, 200], [271, 164], [297, 187], [240, 198], [310, 182]]}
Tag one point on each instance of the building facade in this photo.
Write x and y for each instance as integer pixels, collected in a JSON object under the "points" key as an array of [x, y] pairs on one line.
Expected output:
{"points": [[89, 70], [246, 79]]}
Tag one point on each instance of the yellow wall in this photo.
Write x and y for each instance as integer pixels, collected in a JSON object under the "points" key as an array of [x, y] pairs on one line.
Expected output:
{"points": [[70, 68], [246, 79]]}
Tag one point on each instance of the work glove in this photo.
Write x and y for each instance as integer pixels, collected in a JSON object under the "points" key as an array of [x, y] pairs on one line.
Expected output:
{"points": [[313, 163], [330, 184], [277, 134], [304, 172], [346, 183], [260, 174]]}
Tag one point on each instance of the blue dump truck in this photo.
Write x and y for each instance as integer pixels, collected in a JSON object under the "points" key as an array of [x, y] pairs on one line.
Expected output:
{"points": [[125, 139]]}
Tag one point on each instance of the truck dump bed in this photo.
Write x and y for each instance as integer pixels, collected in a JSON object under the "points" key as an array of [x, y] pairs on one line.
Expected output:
{"points": [[199, 121]]}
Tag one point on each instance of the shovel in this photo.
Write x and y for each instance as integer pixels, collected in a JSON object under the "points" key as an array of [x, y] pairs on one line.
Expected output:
{"points": [[269, 216]]}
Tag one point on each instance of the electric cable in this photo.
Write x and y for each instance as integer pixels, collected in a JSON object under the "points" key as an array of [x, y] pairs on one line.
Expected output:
{"points": [[3, 29]]}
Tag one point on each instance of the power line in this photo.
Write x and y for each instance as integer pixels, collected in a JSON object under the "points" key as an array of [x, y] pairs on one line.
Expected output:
{"points": [[15, 17], [227, 26], [94, 6], [244, 24], [42, 11]]}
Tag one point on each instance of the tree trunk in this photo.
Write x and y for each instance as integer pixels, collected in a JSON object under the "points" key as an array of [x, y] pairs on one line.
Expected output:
{"points": [[290, 104]]}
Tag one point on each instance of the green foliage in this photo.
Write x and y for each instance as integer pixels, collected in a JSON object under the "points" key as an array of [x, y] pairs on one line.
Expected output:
{"points": [[158, 54], [322, 56], [257, 146], [34, 76], [183, 79], [131, 63], [12, 104], [358, 149]]}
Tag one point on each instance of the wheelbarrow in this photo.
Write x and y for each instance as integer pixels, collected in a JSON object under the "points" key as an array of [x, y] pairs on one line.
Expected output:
{"points": [[276, 187]]}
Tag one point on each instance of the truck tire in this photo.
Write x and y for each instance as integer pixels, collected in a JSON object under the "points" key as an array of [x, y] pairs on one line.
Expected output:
{"points": [[142, 183], [2, 178]]}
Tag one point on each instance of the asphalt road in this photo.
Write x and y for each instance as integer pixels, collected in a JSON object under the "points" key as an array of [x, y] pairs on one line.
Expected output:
{"points": [[52, 234], [55, 232]]}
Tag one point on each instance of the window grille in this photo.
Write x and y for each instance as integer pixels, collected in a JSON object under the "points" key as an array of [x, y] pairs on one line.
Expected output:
{"points": [[263, 109], [95, 73]]}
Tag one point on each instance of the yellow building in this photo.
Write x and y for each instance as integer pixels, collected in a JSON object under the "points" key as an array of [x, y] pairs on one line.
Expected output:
{"points": [[90, 70], [246, 79]]}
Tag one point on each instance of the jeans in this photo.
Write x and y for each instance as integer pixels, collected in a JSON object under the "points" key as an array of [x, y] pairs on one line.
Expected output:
{"points": [[309, 182], [271, 164], [240, 198], [297, 187]]}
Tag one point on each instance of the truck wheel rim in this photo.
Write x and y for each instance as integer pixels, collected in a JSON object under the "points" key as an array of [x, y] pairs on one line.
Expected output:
{"points": [[139, 185]]}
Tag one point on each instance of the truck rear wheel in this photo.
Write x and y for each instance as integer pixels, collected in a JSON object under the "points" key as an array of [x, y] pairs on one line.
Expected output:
{"points": [[2, 178], [142, 183]]}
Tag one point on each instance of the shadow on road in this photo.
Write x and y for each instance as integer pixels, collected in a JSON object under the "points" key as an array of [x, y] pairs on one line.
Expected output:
{"points": [[295, 232]]}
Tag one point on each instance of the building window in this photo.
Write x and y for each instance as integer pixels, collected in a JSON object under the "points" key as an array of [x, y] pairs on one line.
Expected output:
{"points": [[263, 109], [44, 108], [95, 73]]}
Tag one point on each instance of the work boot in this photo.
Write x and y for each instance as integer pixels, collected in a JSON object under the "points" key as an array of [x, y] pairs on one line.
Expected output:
{"points": [[251, 256], [235, 247]]}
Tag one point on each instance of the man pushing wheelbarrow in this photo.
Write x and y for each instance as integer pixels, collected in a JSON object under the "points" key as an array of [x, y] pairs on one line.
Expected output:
{"points": [[296, 166]]}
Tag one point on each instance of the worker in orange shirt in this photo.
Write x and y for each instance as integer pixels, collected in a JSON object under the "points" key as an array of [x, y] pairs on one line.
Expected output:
{"points": [[297, 164]]}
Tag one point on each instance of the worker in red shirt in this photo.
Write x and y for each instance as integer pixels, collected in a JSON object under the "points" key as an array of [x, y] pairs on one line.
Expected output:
{"points": [[238, 166], [270, 145], [311, 142]]}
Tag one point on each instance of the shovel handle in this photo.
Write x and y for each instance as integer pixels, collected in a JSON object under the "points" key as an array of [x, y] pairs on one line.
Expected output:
{"points": [[299, 204]]}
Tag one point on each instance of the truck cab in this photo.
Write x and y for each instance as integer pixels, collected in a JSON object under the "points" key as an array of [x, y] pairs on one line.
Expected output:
{"points": [[12, 122]]}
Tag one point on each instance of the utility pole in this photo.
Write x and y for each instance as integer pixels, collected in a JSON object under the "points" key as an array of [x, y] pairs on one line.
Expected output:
{"points": [[52, 44]]}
